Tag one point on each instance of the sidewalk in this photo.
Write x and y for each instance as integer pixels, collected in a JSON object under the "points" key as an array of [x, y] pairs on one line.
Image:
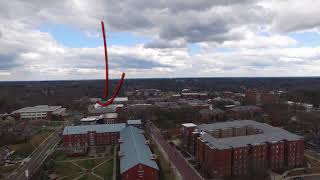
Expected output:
{"points": [[184, 168]]}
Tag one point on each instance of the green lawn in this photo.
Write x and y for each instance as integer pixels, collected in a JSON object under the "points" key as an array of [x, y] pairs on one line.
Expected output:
{"points": [[90, 163], [105, 170], [71, 177], [25, 149], [89, 177], [61, 156], [66, 169], [37, 139]]}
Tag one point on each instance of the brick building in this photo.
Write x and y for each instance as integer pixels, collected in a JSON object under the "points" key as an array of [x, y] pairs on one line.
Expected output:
{"points": [[136, 158], [244, 112], [91, 135], [238, 147], [259, 97], [187, 134], [211, 115]]}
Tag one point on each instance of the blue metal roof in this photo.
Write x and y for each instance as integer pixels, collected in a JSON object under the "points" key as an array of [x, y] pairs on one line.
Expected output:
{"points": [[134, 150], [134, 122], [99, 128]]}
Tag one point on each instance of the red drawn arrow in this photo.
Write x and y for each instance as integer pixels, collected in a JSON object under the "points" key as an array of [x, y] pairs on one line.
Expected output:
{"points": [[105, 93]]}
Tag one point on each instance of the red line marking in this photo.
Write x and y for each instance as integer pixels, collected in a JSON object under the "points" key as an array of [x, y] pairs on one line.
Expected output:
{"points": [[105, 92]]}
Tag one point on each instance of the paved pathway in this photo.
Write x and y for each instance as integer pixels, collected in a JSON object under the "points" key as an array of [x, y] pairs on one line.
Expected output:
{"points": [[185, 169]]}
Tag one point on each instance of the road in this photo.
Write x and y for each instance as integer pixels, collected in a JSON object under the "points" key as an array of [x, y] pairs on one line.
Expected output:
{"points": [[37, 157], [180, 163]]}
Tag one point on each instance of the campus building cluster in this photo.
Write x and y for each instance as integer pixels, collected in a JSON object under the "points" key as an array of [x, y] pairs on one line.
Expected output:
{"points": [[136, 159], [239, 147]]}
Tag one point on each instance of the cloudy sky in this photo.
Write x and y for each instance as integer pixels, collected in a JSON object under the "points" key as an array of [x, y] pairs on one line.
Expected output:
{"points": [[61, 39]]}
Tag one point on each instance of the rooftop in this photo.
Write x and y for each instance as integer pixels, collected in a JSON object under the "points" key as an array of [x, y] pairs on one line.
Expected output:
{"points": [[109, 116], [270, 134], [134, 150], [246, 108], [90, 118], [189, 125], [39, 108], [134, 122], [121, 99], [194, 94], [99, 128], [97, 109]]}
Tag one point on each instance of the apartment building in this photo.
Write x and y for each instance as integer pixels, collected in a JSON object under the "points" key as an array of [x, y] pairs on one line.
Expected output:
{"points": [[238, 147], [91, 135]]}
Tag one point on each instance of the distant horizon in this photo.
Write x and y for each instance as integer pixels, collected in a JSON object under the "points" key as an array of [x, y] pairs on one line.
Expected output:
{"points": [[312, 77]]}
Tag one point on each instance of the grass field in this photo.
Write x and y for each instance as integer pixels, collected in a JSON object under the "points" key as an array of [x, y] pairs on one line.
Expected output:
{"points": [[66, 169], [89, 177], [105, 170], [89, 163], [61, 156], [25, 149]]}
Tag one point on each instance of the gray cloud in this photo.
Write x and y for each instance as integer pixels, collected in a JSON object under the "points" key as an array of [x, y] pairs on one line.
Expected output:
{"points": [[195, 21], [127, 62], [8, 61], [163, 44], [301, 16]]}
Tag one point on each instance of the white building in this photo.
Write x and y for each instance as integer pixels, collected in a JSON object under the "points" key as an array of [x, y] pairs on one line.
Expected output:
{"points": [[39, 112]]}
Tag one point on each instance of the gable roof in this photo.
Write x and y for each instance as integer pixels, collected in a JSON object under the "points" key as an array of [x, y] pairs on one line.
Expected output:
{"points": [[134, 150]]}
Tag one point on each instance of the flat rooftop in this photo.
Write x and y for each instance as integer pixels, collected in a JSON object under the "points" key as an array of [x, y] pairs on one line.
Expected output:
{"points": [[269, 134], [121, 99], [99, 128], [134, 122], [189, 125], [39, 108], [90, 118], [109, 116]]}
